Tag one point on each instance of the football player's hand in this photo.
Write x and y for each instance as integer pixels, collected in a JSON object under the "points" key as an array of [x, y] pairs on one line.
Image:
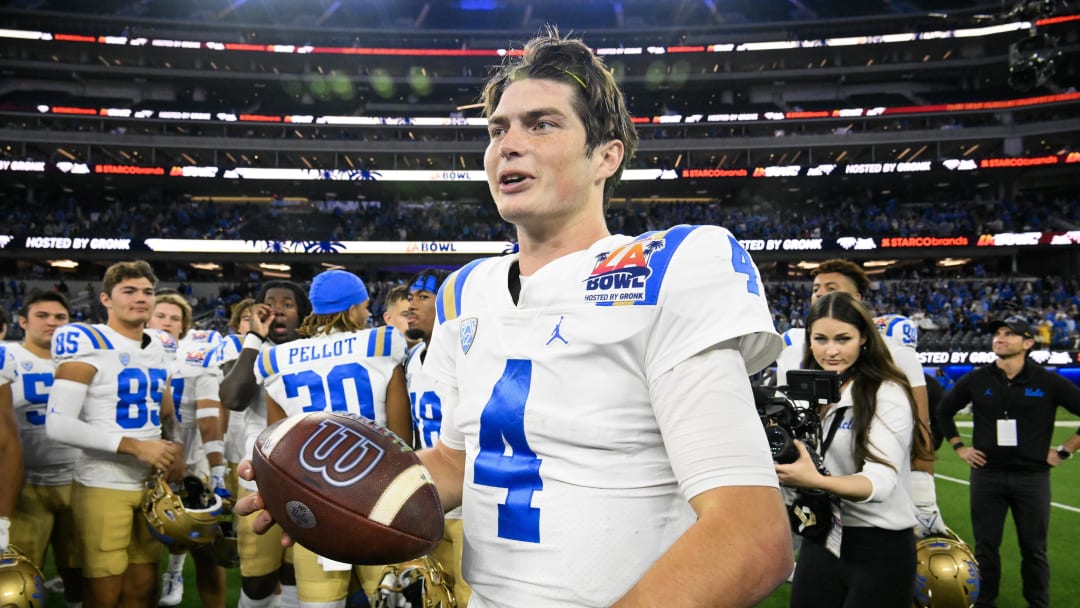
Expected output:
{"points": [[262, 316], [253, 504], [178, 467], [5, 533], [217, 478], [924, 496], [158, 453]]}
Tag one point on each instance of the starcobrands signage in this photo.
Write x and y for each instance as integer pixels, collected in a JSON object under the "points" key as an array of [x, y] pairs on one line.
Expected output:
{"points": [[914, 242]]}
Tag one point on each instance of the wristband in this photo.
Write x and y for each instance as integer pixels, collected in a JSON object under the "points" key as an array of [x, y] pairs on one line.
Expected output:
{"points": [[214, 447], [208, 412], [1063, 453], [253, 340], [957, 445]]}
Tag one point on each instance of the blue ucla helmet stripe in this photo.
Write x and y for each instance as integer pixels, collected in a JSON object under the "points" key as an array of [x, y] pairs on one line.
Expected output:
{"points": [[267, 363], [448, 301], [658, 262], [97, 338]]}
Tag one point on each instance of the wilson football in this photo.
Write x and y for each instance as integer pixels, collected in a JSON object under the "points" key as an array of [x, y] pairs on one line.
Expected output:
{"points": [[347, 489]]}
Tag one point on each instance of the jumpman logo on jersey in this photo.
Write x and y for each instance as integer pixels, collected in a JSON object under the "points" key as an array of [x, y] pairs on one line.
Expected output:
{"points": [[555, 333]]}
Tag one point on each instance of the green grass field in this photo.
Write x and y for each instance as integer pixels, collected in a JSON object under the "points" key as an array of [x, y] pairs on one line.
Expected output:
{"points": [[953, 501]]}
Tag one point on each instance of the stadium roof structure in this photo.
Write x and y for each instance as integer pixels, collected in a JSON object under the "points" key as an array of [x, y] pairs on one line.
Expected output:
{"points": [[500, 15]]}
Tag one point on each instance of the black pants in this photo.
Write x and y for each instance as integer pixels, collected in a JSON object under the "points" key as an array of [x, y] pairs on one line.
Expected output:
{"points": [[993, 493], [876, 568]]}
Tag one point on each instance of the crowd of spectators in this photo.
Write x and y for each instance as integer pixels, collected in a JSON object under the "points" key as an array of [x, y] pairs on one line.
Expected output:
{"points": [[302, 220], [952, 312]]}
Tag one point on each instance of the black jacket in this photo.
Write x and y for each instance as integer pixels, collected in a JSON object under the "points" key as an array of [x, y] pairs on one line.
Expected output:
{"points": [[1031, 398]]}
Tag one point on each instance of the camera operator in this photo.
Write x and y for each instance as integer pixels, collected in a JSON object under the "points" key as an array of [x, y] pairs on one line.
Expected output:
{"points": [[869, 559]]}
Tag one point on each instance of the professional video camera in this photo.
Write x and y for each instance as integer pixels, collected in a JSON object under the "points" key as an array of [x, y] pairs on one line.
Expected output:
{"points": [[789, 413]]}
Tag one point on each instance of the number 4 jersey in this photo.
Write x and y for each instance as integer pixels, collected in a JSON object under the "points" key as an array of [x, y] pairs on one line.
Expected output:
{"points": [[124, 399], [570, 493]]}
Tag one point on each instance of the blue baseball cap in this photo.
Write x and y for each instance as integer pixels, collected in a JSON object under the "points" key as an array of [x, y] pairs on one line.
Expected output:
{"points": [[336, 290]]}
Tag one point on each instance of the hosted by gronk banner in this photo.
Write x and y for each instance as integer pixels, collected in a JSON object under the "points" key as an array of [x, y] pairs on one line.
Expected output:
{"points": [[10, 243], [1052, 358]]}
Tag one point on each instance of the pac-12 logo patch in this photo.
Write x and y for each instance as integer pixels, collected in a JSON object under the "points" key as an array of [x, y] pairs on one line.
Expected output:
{"points": [[468, 333], [125, 359], [620, 275]]}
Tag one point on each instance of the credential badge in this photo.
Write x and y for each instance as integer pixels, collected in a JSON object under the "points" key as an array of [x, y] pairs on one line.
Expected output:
{"points": [[468, 333]]}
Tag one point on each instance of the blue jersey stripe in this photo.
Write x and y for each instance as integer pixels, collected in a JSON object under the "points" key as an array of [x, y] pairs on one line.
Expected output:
{"points": [[97, 338], [448, 301], [388, 341], [267, 363]]}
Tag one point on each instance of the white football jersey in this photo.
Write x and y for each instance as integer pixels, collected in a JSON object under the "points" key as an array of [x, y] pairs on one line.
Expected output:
{"points": [[341, 372], [124, 397], [569, 493], [193, 378], [228, 350], [904, 357], [899, 329], [46, 462], [425, 403]]}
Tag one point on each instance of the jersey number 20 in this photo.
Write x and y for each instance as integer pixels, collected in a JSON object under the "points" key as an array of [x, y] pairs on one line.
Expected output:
{"points": [[334, 388]]}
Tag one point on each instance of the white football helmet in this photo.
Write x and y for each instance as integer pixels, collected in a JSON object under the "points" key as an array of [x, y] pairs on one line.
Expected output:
{"points": [[899, 329], [947, 575], [418, 583], [21, 582], [185, 517]]}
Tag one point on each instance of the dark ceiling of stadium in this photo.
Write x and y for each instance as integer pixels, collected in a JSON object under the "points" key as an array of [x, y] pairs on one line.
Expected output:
{"points": [[497, 15]]}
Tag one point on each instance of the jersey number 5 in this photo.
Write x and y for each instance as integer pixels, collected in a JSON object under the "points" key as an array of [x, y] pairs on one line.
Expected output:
{"points": [[502, 424]]}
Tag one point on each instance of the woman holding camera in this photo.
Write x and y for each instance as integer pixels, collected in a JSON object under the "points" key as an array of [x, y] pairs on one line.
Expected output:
{"points": [[869, 559]]}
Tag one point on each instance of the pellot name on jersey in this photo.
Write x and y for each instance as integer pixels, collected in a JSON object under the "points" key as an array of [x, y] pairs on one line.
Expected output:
{"points": [[321, 351]]}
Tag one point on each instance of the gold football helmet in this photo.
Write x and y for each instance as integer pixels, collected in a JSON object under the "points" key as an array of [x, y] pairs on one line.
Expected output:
{"points": [[418, 583], [947, 574], [21, 583], [185, 517]]}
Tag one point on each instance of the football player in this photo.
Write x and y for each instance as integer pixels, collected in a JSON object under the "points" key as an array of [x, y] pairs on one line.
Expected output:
{"points": [[843, 275], [274, 320], [397, 311], [224, 356], [43, 514], [427, 414], [194, 393], [599, 428], [110, 398], [343, 366], [11, 477]]}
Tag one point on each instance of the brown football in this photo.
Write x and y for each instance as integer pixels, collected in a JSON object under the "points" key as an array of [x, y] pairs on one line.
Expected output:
{"points": [[347, 489]]}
